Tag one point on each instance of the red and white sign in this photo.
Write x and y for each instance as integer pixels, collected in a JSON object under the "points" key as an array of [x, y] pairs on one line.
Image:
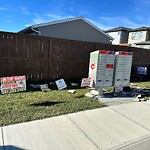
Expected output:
{"points": [[13, 84], [85, 82]]}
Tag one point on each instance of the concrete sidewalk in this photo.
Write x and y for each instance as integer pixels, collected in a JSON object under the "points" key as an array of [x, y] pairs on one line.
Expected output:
{"points": [[115, 127]]}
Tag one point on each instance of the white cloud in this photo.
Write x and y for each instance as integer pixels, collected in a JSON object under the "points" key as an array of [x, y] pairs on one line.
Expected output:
{"points": [[24, 10], [38, 19], [48, 17], [140, 3], [27, 25], [57, 17], [3, 8], [120, 21], [141, 7], [99, 25], [53, 16], [19, 9], [9, 21]]}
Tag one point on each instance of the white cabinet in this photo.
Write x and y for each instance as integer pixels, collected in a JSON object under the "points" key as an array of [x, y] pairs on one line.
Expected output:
{"points": [[122, 71], [101, 68]]}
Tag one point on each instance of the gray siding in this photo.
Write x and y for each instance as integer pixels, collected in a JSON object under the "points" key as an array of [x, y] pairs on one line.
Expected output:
{"points": [[124, 37], [148, 36], [74, 30]]}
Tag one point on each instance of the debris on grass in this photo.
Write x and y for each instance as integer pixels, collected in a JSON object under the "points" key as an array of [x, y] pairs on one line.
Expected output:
{"points": [[145, 93], [85, 82], [35, 86], [74, 84], [89, 95], [71, 91], [94, 92], [44, 87], [52, 83]]}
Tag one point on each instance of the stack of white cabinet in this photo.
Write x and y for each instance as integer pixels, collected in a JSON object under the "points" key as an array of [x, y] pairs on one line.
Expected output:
{"points": [[108, 68], [101, 68], [122, 71]]}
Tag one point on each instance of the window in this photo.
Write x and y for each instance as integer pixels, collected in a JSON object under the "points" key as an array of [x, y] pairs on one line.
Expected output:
{"points": [[137, 35]]}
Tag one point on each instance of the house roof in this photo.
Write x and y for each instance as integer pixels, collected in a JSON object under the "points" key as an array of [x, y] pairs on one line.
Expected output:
{"points": [[120, 28], [143, 28], [63, 21], [143, 43]]}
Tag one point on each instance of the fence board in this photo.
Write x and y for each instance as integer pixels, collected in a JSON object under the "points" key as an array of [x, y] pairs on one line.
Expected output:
{"points": [[43, 58]]}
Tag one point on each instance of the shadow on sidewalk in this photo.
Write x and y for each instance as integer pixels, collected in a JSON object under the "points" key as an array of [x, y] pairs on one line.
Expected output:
{"points": [[10, 147]]}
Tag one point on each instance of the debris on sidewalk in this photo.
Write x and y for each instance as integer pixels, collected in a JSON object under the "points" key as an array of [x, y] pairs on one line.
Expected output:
{"points": [[137, 98], [142, 99], [71, 91]]}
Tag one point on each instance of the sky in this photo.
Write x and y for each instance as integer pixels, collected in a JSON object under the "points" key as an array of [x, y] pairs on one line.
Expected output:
{"points": [[16, 15]]}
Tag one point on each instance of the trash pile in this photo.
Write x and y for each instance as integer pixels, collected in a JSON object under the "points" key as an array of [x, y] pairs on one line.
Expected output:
{"points": [[92, 94], [133, 91], [44, 87]]}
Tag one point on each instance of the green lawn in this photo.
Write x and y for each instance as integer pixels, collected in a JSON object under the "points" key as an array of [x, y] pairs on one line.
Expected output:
{"points": [[27, 106], [145, 85], [33, 105]]}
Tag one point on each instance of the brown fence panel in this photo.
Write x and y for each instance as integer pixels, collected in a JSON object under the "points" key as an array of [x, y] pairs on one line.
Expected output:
{"points": [[43, 58]]}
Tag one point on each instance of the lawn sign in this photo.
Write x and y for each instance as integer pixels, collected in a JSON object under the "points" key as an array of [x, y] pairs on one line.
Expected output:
{"points": [[61, 84], [44, 87], [85, 82], [13, 84]]}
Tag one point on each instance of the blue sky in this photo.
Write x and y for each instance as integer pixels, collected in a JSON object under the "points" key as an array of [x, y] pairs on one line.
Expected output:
{"points": [[18, 14]]}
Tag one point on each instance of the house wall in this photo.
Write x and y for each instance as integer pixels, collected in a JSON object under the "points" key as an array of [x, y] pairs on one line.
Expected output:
{"points": [[116, 36], [120, 37], [148, 36], [124, 37], [132, 40], [74, 30]]}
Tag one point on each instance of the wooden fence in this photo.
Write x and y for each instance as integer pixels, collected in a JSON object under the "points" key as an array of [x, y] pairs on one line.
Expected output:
{"points": [[43, 58]]}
